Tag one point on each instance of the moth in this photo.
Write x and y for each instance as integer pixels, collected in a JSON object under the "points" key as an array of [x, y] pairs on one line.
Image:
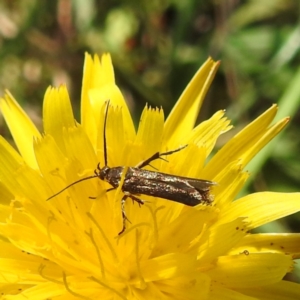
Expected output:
{"points": [[138, 181]]}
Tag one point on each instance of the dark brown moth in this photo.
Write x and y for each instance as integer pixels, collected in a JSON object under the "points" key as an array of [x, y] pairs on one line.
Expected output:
{"points": [[137, 181]]}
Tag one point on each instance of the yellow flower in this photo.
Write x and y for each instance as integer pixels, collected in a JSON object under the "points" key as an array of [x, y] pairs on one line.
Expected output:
{"points": [[69, 248]]}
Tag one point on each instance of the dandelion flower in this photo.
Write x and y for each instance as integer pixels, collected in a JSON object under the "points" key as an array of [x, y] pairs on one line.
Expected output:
{"points": [[69, 247]]}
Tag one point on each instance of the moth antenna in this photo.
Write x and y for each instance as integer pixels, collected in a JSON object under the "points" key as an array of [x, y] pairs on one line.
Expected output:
{"points": [[104, 134], [73, 183]]}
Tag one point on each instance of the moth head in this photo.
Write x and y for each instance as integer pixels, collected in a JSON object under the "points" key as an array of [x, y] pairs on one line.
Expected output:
{"points": [[103, 172]]}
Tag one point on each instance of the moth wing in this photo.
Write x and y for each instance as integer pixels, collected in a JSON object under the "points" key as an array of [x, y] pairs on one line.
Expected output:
{"points": [[200, 184], [197, 190], [183, 182], [185, 190]]}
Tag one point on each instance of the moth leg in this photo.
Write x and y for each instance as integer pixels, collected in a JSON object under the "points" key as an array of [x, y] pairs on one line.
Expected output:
{"points": [[158, 155], [124, 217], [108, 190], [136, 199]]}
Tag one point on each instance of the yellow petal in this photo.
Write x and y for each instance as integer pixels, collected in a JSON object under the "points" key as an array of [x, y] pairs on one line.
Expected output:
{"points": [[246, 143], [192, 286], [79, 147], [57, 113], [88, 82], [98, 97], [10, 162], [51, 161], [229, 183], [207, 132], [183, 116], [118, 142], [288, 243], [98, 87], [45, 289], [21, 128], [181, 239], [5, 197], [218, 293], [162, 267], [237, 270], [200, 141], [218, 240], [262, 208], [149, 136], [283, 290]]}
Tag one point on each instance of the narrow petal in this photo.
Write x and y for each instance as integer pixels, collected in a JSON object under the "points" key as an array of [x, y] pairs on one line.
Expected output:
{"points": [[88, 82], [118, 140], [270, 133], [51, 161], [100, 96], [79, 147], [220, 239], [192, 286], [5, 197], [98, 87], [201, 141], [288, 243], [162, 267], [149, 136], [57, 113], [229, 183], [10, 162], [45, 289], [207, 132], [18, 177], [182, 240], [21, 127], [218, 293], [262, 208], [183, 116], [188, 156], [237, 270], [246, 143], [283, 290]]}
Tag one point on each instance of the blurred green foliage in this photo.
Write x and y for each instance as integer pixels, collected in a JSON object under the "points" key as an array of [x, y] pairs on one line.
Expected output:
{"points": [[156, 47]]}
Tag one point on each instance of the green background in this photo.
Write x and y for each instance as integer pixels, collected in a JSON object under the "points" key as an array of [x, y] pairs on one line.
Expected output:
{"points": [[156, 48]]}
